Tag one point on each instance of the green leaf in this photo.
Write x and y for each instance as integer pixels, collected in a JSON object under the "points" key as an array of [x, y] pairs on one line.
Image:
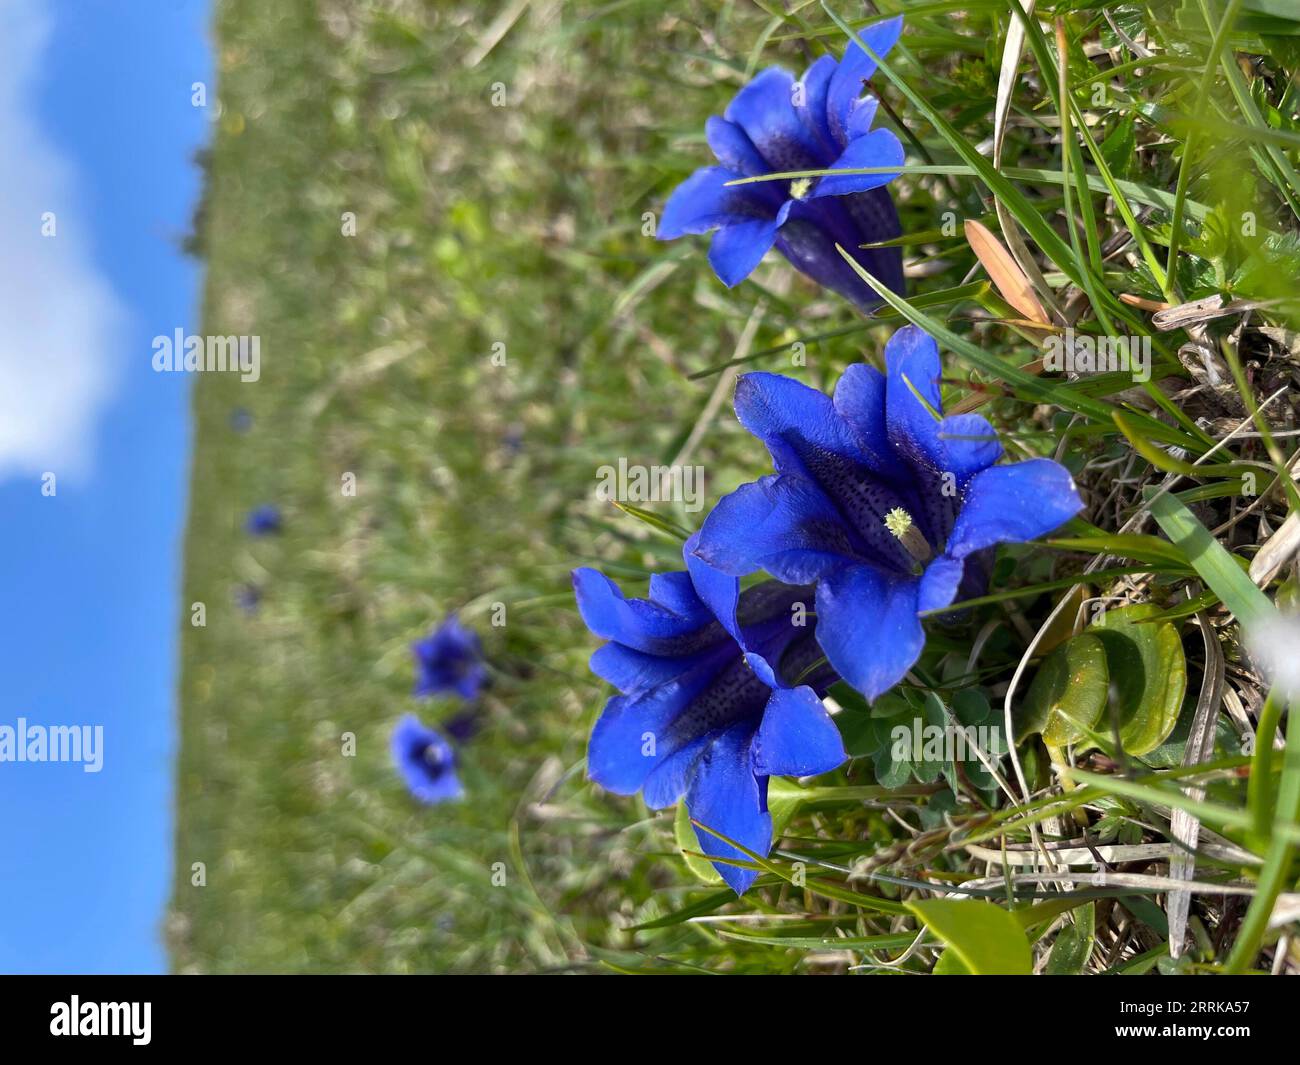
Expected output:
{"points": [[783, 801], [697, 908], [1068, 694], [1219, 569], [858, 733], [688, 846], [1148, 672], [987, 940], [972, 710], [655, 521], [929, 769], [1139, 547], [1284, 9], [1120, 147], [1073, 947]]}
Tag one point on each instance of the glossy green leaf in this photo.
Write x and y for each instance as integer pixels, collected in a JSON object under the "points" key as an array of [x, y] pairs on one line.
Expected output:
{"points": [[973, 711], [1073, 946], [988, 940], [1148, 675], [1066, 700]]}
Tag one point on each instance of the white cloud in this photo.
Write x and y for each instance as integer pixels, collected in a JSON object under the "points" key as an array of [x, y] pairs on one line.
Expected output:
{"points": [[58, 317]]}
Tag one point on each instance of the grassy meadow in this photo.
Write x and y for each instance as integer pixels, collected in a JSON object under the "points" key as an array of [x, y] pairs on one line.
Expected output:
{"points": [[437, 217]]}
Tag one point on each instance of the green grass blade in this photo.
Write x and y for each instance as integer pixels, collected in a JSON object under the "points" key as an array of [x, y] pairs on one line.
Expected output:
{"points": [[1215, 565]]}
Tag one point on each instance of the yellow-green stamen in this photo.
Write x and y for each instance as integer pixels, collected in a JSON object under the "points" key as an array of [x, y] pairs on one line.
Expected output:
{"points": [[800, 187], [900, 525]]}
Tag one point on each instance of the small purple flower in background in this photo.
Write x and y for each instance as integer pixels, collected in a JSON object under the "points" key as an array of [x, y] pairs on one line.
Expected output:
{"points": [[720, 691], [886, 506], [426, 761], [450, 659], [264, 520], [777, 125], [241, 420], [464, 726], [248, 597]]}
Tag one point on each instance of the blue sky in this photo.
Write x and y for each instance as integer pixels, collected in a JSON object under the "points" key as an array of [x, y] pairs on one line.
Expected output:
{"points": [[96, 126]]}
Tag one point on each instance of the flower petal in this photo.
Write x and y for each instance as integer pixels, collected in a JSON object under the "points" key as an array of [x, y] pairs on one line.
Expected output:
{"points": [[733, 148], [970, 444], [764, 109], [669, 779], [726, 795], [878, 148], [632, 672], [809, 237], [616, 753], [675, 591], [797, 737], [783, 524], [810, 102], [635, 734], [874, 219], [913, 367], [739, 247], [862, 116], [467, 687], [860, 401], [446, 787], [639, 623], [867, 625], [939, 583], [705, 201], [855, 68], [794, 421], [719, 591], [1012, 504], [808, 439]]}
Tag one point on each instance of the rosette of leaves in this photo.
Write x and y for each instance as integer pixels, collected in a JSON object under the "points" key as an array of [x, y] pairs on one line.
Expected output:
{"points": [[905, 723]]}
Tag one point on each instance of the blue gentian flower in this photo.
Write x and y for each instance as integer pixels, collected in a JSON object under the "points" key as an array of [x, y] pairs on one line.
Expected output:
{"points": [[886, 506], [263, 520], [464, 726], [777, 125], [248, 597], [426, 761], [450, 659], [720, 690]]}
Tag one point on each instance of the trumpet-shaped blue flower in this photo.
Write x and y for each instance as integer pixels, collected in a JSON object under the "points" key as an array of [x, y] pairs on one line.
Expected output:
{"points": [[719, 691], [426, 761], [450, 659], [887, 507], [777, 125]]}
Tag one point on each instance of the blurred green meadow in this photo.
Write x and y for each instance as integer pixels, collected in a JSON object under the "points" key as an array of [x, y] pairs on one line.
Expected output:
{"points": [[472, 355], [437, 217]]}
